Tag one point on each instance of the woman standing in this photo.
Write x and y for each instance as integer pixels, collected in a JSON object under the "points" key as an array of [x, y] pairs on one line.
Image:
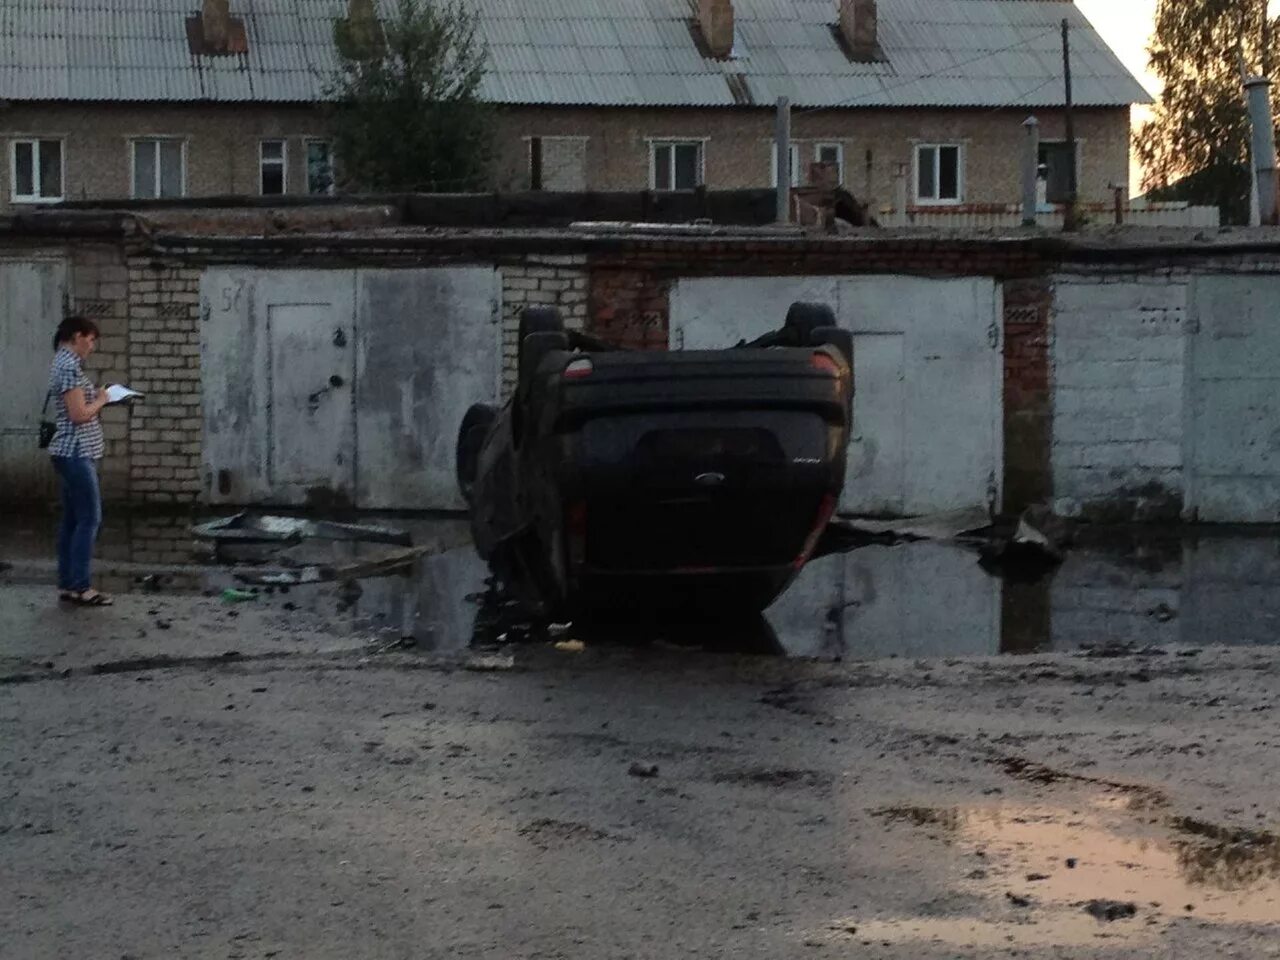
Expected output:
{"points": [[76, 447]]}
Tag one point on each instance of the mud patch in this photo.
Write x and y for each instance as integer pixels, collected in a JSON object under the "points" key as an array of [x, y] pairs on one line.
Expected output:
{"points": [[549, 834], [775, 777], [1139, 795]]}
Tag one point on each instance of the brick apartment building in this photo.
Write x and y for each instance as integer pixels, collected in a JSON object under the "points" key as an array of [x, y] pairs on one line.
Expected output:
{"points": [[111, 99]]}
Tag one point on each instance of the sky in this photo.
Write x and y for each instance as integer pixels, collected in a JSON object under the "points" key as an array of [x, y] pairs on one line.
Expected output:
{"points": [[1126, 25]]}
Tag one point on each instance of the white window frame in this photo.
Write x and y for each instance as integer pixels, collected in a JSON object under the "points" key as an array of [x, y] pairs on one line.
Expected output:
{"points": [[673, 142], [35, 141], [132, 147], [796, 179], [839, 149], [937, 175], [283, 163], [306, 150]]}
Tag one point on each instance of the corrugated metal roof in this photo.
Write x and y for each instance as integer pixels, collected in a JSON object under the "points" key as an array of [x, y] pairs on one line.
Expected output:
{"points": [[985, 53]]}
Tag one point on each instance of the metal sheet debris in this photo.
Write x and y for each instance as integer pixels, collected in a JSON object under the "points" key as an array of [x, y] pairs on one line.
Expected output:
{"points": [[254, 528]]}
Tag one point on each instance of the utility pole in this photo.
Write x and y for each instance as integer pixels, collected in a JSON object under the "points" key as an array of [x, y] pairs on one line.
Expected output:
{"points": [[1069, 218], [782, 142], [1030, 172]]}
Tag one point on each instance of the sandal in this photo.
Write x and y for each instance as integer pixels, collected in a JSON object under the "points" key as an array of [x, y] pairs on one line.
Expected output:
{"points": [[91, 598]]}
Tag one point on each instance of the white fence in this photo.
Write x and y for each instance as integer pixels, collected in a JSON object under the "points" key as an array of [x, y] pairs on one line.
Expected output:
{"points": [[1174, 214]]}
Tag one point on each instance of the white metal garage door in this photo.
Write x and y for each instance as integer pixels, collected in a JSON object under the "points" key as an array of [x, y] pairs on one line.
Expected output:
{"points": [[1234, 430], [346, 386], [928, 377], [31, 299]]}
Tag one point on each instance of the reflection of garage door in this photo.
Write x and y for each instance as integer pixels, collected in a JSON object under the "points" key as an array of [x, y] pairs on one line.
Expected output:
{"points": [[344, 386], [927, 431], [1234, 440], [31, 292]]}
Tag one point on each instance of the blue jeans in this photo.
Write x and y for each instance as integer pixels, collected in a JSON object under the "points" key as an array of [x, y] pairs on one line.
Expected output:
{"points": [[81, 517]]}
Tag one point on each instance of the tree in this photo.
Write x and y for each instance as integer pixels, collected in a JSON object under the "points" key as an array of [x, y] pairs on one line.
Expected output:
{"points": [[1196, 146], [405, 105]]}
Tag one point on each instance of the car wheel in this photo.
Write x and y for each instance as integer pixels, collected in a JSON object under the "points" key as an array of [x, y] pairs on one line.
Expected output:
{"points": [[471, 435], [532, 349], [540, 320], [804, 318]]}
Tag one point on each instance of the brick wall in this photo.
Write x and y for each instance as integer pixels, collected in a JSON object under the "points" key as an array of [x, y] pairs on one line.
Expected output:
{"points": [[875, 143], [99, 280], [1028, 403], [222, 144], [164, 363], [551, 281]]}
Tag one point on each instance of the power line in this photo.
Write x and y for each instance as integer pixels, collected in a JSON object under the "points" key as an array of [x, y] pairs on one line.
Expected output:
{"points": [[937, 73]]}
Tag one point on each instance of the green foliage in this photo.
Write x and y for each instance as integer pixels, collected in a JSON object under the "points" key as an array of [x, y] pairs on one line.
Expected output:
{"points": [[1196, 146], [406, 112]]}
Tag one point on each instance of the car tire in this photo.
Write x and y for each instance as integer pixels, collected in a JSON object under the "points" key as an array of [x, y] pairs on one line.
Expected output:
{"points": [[471, 436], [804, 318], [540, 320], [533, 348]]}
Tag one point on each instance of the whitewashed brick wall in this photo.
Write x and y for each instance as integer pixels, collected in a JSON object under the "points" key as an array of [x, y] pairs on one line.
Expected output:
{"points": [[1117, 368], [552, 281]]}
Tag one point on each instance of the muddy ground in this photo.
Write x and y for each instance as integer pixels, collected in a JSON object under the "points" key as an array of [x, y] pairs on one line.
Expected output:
{"points": [[185, 777]]}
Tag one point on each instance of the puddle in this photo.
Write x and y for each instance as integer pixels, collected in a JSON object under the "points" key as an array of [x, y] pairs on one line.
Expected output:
{"points": [[1137, 591], [1038, 870]]}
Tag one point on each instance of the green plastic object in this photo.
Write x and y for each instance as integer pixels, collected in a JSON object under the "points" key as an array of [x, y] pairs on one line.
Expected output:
{"points": [[231, 595]]}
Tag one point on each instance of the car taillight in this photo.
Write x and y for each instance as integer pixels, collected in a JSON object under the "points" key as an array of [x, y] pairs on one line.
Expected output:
{"points": [[577, 369], [825, 510], [824, 363], [576, 532]]}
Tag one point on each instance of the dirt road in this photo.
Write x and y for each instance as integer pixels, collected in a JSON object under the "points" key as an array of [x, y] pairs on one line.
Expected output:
{"points": [[260, 782]]}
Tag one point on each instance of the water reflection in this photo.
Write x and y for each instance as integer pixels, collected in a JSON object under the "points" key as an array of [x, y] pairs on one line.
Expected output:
{"points": [[1137, 590]]}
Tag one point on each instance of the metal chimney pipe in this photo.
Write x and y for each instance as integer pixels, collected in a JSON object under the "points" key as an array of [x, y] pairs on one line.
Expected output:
{"points": [[1258, 90]]}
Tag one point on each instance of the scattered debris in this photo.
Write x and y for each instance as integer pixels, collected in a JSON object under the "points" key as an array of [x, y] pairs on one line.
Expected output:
{"points": [[1036, 877], [641, 768], [232, 595], [1033, 550], [1017, 900], [1106, 911], [571, 646], [369, 567], [247, 528], [490, 663]]}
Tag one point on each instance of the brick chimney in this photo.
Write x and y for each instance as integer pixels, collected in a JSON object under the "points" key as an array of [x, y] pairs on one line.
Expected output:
{"points": [[858, 27], [215, 20], [715, 18]]}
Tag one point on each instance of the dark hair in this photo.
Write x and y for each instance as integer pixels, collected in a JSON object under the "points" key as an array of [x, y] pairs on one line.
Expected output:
{"points": [[73, 325]]}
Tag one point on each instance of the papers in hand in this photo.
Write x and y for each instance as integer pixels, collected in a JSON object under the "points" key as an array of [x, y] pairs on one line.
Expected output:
{"points": [[118, 394]]}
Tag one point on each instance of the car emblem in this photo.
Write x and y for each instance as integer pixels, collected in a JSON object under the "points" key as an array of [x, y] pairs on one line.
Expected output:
{"points": [[711, 479]]}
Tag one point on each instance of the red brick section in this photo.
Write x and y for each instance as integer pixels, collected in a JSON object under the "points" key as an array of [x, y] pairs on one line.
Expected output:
{"points": [[630, 286], [1028, 411], [630, 308]]}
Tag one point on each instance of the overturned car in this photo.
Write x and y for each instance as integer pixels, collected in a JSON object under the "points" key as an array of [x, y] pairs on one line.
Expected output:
{"points": [[618, 482]]}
